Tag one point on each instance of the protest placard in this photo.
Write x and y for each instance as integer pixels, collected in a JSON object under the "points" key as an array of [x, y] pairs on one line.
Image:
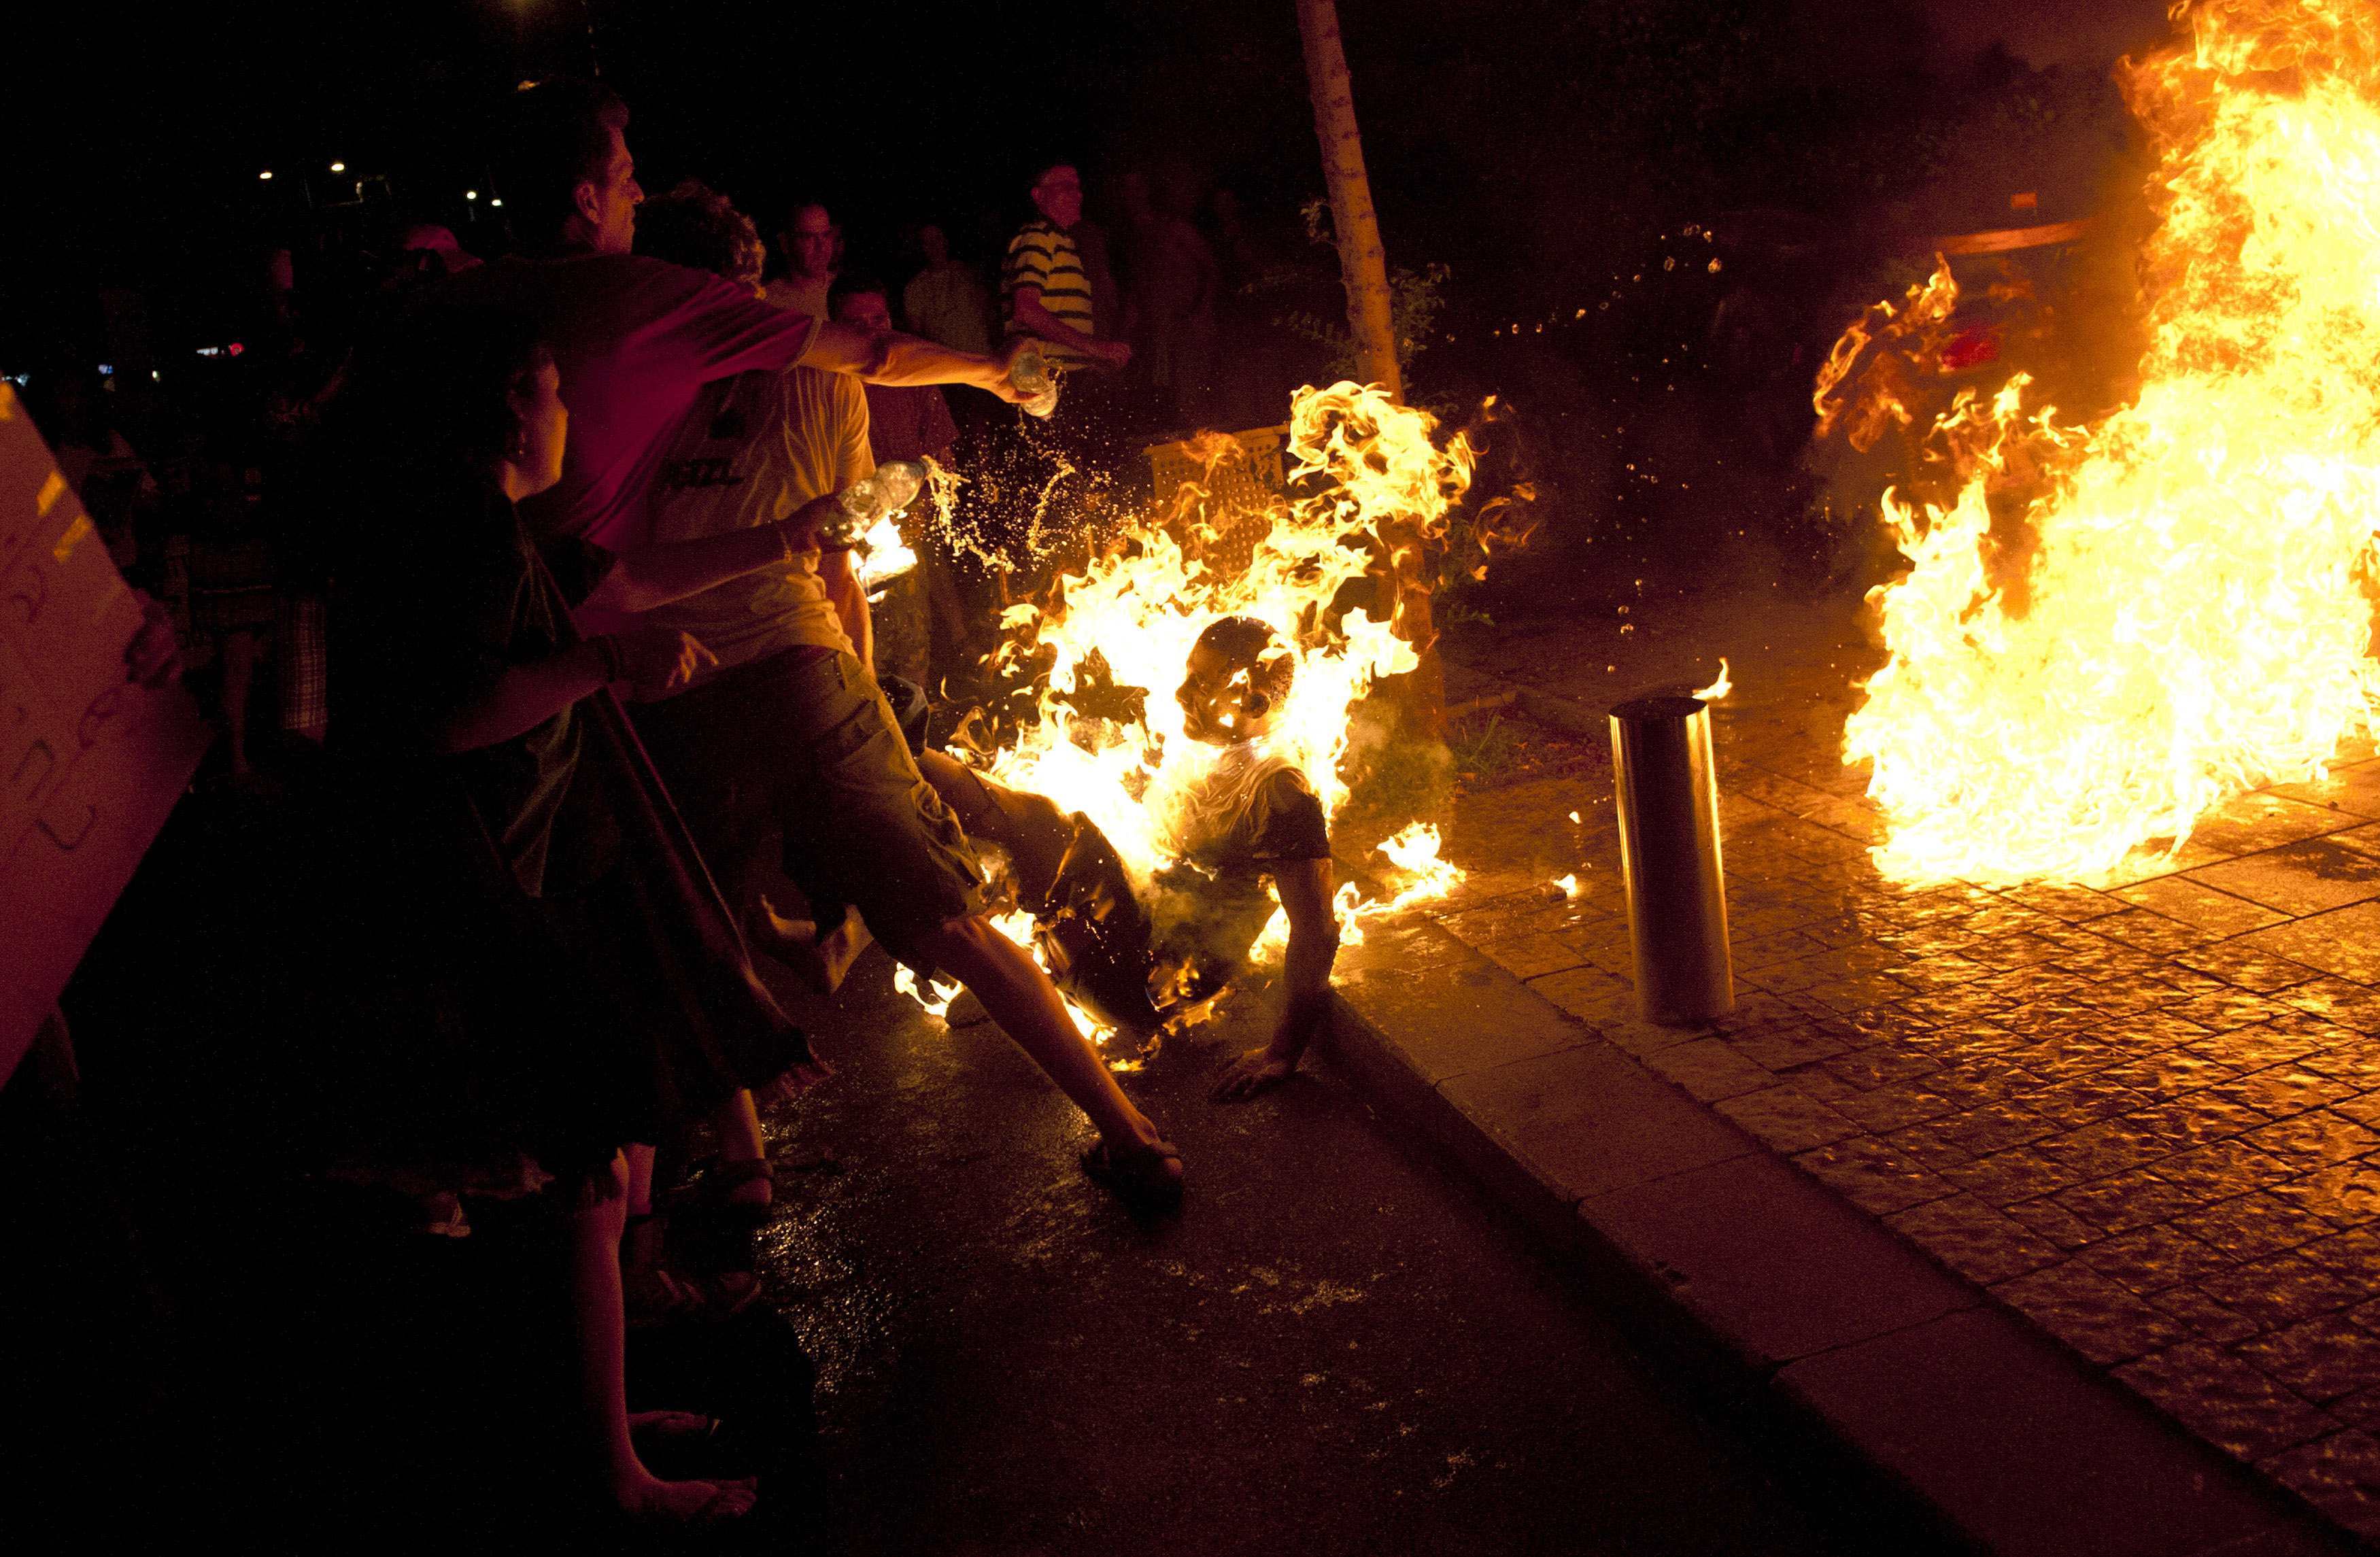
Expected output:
{"points": [[90, 763]]}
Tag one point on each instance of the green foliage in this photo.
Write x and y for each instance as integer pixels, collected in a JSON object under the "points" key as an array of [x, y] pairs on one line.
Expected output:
{"points": [[1415, 300]]}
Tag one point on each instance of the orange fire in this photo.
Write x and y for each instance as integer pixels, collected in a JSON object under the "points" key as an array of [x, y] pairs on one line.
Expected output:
{"points": [[1119, 634], [2194, 621]]}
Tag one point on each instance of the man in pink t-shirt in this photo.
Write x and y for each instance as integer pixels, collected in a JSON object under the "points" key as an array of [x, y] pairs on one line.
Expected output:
{"points": [[637, 338]]}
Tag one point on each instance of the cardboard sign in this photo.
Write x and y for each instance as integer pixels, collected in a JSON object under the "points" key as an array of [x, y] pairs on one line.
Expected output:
{"points": [[89, 764]]}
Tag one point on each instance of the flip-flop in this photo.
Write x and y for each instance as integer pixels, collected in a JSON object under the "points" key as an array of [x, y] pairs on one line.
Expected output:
{"points": [[1141, 1177]]}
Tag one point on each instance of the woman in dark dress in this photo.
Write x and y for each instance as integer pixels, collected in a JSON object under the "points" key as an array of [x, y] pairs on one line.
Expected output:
{"points": [[547, 981]]}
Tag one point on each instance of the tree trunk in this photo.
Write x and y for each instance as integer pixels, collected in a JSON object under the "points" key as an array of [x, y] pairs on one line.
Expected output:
{"points": [[1363, 264]]}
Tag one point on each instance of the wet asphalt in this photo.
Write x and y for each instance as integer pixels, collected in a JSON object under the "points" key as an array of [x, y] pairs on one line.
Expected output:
{"points": [[1337, 1346]]}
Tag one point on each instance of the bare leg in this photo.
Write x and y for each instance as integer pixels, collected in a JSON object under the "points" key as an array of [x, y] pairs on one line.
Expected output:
{"points": [[1028, 1008], [600, 1316]]}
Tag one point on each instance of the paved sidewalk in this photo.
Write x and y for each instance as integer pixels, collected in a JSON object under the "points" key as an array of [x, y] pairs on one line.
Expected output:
{"points": [[2146, 1120]]}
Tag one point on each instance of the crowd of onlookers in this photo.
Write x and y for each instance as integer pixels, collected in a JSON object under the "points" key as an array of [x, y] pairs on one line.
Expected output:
{"points": [[527, 602]]}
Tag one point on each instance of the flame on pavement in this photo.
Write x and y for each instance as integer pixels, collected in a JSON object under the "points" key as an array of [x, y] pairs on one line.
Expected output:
{"points": [[2193, 620]]}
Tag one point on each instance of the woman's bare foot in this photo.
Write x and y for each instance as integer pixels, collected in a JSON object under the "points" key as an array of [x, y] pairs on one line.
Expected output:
{"points": [[645, 1497]]}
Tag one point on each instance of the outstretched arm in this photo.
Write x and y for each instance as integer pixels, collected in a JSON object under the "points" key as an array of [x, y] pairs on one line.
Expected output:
{"points": [[1305, 889], [894, 359]]}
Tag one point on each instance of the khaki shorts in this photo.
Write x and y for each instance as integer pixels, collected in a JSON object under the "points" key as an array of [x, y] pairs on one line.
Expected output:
{"points": [[806, 740]]}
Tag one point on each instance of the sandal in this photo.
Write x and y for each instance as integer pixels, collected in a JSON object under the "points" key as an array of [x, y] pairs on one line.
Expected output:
{"points": [[1145, 1179]]}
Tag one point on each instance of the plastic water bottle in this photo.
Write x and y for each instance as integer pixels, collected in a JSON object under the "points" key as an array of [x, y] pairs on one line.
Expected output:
{"points": [[1034, 380], [889, 489]]}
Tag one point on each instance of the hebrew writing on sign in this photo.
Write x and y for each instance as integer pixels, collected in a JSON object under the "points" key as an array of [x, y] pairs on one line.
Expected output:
{"points": [[90, 763]]}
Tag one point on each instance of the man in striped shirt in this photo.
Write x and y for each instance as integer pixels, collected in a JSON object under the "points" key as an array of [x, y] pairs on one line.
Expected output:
{"points": [[1049, 296]]}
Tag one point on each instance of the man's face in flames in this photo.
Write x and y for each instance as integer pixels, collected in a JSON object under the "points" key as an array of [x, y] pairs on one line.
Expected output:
{"points": [[1234, 692]]}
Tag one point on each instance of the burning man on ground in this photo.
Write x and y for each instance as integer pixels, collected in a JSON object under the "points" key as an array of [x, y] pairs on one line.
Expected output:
{"points": [[793, 730], [1250, 816]]}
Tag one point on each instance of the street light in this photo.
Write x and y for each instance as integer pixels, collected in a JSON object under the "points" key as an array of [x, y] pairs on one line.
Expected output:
{"points": [[470, 194], [496, 202], [338, 167], [266, 173]]}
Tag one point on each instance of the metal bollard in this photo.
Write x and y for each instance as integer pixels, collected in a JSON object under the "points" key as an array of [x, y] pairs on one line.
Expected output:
{"points": [[1668, 852]]}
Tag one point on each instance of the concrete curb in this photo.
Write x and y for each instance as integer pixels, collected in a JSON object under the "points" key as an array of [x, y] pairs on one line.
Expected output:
{"points": [[1762, 1277]]}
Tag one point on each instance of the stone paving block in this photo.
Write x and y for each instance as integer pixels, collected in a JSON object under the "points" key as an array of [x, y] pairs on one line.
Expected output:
{"points": [[2263, 820], [2285, 1039], [2211, 1321], [2320, 1358], [2345, 942], [2248, 1227], [2053, 1222], [1978, 1242], [2355, 791], [2313, 1140], [2123, 1201], [2283, 1288], [2352, 1059], [2068, 905], [1588, 1120], [2149, 1259], [1785, 1119], [2092, 1313], [2336, 1000], [2343, 1196], [1770, 1261], [2247, 968], [2000, 1431], [2018, 1173], [1709, 1069], [1592, 996], [1872, 1175], [1462, 1016], [2339, 1475], [2143, 931], [1527, 955], [2283, 1090], [2305, 878], [2361, 1409], [2221, 1169], [2229, 1403]]}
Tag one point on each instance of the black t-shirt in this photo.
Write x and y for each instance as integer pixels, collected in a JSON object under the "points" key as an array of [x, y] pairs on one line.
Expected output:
{"points": [[1284, 823], [429, 623]]}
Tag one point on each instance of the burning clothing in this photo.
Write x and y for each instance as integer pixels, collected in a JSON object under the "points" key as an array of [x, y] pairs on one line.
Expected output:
{"points": [[1248, 814], [1251, 810], [754, 448]]}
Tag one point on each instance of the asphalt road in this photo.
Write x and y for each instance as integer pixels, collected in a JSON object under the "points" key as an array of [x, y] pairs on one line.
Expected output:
{"points": [[1336, 1347]]}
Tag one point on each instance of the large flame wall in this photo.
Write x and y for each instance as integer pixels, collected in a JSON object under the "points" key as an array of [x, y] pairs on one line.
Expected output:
{"points": [[2196, 622]]}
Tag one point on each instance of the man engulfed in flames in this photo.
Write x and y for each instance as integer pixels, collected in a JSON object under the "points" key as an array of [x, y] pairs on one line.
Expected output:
{"points": [[1142, 830]]}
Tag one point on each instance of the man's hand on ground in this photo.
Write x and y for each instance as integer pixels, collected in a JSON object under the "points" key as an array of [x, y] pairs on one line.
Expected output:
{"points": [[1252, 1073]]}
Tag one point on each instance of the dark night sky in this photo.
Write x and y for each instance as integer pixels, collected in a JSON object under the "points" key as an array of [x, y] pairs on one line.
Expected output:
{"points": [[139, 144]]}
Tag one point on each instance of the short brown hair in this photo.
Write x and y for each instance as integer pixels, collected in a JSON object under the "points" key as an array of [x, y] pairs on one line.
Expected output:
{"points": [[694, 225], [557, 135]]}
